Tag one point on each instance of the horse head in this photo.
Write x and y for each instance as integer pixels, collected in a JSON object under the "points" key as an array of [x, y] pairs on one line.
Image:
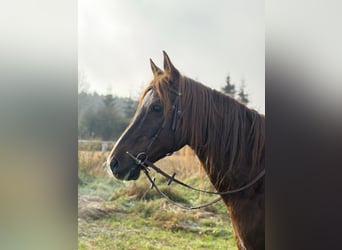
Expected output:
{"points": [[154, 130]]}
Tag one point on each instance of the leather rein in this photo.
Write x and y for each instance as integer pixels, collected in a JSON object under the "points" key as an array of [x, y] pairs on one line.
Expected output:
{"points": [[141, 160], [145, 164]]}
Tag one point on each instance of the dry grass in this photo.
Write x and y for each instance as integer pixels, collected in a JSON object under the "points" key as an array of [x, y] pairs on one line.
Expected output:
{"points": [[184, 163], [93, 162], [136, 217]]}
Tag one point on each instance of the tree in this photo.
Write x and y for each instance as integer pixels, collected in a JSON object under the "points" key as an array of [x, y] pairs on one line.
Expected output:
{"points": [[130, 108], [243, 96], [102, 122], [108, 101], [87, 127], [105, 123], [229, 88], [103, 116], [110, 122]]}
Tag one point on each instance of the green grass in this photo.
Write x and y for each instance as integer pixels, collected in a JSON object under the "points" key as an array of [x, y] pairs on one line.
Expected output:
{"points": [[136, 217], [129, 231]]}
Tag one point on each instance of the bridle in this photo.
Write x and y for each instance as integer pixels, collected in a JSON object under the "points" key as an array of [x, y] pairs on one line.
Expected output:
{"points": [[176, 113], [141, 160]]}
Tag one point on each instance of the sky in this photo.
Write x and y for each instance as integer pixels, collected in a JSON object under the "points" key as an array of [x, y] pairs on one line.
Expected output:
{"points": [[205, 40]]}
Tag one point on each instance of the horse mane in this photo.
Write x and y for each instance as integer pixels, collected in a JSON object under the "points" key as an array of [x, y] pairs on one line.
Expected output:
{"points": [[228, 137]]}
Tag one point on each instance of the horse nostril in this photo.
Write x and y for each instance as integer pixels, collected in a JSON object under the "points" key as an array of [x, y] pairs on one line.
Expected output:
{"points": [[114, 164]]}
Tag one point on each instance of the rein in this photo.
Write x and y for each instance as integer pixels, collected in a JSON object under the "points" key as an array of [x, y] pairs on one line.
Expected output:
{"points": [[145, 164]]}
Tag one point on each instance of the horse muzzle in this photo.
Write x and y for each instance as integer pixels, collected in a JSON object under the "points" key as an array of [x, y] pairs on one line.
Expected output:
{"points": [[131, 172]]}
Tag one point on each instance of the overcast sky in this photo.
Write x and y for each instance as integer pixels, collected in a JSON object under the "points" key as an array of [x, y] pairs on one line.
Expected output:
{"points": [[205, 40]]}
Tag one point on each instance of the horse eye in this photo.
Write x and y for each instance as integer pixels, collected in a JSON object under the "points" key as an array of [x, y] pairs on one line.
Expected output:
{"points": [[156, 108]]}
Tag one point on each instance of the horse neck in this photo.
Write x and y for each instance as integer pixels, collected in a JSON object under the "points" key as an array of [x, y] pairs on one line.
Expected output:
{"points": [[228, 161]]}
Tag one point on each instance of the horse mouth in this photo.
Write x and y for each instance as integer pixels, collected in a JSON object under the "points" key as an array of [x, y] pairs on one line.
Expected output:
{"points": [[130, 172], [133, 174]]}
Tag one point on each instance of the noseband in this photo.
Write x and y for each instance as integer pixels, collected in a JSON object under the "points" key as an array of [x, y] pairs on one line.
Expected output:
{"points": [[142, 160]]}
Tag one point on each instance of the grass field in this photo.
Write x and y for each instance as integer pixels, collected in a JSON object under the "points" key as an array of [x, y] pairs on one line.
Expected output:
{"points": [[129, 215]]}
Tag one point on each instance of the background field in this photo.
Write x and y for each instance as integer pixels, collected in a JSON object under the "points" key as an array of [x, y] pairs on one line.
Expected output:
{"points": [[113, 214]]}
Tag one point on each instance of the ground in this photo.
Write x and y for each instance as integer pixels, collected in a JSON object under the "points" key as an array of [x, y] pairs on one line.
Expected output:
{"points": [[129, 215]]}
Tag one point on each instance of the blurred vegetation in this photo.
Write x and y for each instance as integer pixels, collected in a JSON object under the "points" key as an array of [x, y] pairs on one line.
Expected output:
{"points": [[103, 117]]}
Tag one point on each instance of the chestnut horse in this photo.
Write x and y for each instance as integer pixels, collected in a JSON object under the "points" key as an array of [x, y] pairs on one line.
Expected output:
{"points": [[228, 138]]}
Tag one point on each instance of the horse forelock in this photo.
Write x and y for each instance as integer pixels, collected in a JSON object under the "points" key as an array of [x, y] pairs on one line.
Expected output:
{"points": [[161, 85]]}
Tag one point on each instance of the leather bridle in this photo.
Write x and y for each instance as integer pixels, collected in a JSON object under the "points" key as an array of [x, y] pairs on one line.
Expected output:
{"points": [[141, 159], [176, 113]]}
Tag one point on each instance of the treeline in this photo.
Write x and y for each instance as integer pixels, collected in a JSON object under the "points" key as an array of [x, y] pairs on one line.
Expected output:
{"points": [[104, 117]]}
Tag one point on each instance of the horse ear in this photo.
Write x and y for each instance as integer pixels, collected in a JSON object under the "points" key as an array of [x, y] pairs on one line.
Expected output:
{"points": [[156, 71], [168, 67]]}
